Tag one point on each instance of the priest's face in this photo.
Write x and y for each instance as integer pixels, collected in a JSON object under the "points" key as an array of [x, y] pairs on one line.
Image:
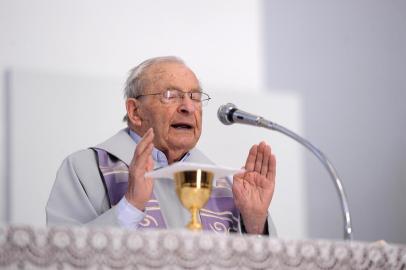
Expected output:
{"points": [[177, 122]]}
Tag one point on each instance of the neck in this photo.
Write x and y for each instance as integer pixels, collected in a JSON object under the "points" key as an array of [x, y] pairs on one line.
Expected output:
{"points": [[173, 156]]}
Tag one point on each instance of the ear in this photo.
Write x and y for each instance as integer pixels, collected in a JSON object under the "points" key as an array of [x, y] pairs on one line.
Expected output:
{"points": [[132, 106]]}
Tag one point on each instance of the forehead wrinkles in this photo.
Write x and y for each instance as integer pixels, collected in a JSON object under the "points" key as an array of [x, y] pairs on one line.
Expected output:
{"points": [[166, 73], [153, 75], [157, 75]]}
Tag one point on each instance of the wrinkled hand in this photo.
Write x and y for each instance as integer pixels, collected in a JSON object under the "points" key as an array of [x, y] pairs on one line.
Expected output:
{"points": [[254, 188], [140, 187]]}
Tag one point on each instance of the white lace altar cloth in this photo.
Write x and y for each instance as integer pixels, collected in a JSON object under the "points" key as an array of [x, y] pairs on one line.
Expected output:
{"points": [[24, 247]]}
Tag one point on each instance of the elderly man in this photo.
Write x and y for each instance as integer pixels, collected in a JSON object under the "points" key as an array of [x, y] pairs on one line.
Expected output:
{"points": [[106, 184]]}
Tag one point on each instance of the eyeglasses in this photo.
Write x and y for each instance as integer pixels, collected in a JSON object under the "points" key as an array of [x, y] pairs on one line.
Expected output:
{"points": [[171, 96]]}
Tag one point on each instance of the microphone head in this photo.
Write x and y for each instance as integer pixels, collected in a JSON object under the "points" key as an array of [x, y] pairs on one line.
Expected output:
{"points": [[225, 113]]}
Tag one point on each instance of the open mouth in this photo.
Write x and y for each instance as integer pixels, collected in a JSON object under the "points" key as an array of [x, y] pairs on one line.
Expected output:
{"points": [[182, 126]]}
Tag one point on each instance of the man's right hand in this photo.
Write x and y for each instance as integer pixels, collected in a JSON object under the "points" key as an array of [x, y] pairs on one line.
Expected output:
{"points": [[140, 187]]}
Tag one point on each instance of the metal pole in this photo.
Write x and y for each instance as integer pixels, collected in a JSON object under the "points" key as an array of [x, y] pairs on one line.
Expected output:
{"points": [[327, 164]]}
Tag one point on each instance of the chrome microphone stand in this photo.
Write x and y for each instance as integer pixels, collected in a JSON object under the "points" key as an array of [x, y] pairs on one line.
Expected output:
{"points": [[232, 115], [327, 164]]}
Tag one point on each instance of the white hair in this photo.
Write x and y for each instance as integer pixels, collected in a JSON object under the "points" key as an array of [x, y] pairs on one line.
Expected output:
{"points": [[136, 81]]}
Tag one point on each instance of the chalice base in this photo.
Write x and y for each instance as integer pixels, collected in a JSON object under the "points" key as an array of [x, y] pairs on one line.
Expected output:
{"points": [[194, 226]]}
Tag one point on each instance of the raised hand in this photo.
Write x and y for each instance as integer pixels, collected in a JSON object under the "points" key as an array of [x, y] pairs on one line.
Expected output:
{"points": [[253, 189], [140, 187]]}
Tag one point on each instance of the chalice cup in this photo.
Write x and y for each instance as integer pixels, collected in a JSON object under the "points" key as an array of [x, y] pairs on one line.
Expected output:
{"points": [[193, 189]]}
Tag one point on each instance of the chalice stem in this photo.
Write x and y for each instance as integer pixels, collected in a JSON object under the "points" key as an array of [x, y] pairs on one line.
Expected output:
{"points": [[194, 223]]}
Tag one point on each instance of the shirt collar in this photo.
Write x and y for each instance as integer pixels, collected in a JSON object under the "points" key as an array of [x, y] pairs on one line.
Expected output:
{"points": [[157, 155]]}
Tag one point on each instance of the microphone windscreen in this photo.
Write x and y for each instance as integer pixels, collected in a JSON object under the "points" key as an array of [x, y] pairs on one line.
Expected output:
{"points": [[224, 113]]}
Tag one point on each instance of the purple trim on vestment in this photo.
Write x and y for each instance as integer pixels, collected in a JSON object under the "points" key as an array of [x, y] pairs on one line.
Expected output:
{"points": [[219, 214], [115, 177]]}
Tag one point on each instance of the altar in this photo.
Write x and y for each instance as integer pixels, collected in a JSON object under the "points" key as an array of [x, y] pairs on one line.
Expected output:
{"points": [[26, 247]]}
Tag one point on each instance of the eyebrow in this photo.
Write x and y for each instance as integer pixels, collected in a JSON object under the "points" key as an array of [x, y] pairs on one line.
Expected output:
{"points": [[193, 89]]}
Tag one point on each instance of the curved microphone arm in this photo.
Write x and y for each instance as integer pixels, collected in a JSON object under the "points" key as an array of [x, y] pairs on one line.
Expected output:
{"points": [[327, 164]]}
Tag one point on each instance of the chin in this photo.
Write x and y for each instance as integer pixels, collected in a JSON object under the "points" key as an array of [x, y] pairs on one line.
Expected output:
{"points": [[184, 144]]}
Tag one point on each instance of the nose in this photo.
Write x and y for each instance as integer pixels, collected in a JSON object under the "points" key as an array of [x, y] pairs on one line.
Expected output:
{"points": [[187, 105]]}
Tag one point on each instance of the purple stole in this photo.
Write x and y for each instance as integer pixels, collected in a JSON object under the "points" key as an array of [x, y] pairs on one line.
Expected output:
{"points": [[219, 214]]}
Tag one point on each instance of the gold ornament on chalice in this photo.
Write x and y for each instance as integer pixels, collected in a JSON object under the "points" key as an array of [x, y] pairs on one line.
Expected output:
{"points": [[193, 189]]}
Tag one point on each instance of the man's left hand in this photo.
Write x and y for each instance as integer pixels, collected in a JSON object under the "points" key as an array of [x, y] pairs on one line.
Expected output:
{"points": [[253, 189]]}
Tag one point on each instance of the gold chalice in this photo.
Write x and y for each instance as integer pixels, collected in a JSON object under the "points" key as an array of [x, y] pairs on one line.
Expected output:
{"points": [[193, 189]]}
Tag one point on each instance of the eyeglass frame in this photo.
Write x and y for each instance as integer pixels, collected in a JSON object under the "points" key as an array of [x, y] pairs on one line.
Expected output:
{"points": [[181, 95]]}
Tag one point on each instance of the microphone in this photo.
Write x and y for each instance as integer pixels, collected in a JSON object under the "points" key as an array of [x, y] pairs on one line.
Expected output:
{"points": [[229, 114]]}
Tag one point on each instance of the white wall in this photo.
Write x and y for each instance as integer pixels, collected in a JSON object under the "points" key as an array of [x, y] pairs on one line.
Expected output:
{"points": [[107, 38], [347, 59]]}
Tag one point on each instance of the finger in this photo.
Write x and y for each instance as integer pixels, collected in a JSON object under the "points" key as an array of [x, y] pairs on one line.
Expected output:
{"points": [[149, 167], [139, 162], [144, 142], [146, 151], [139, 165], [259, 157], [271, 168], [143, 159], [265, 161], [250, 163], [144, 147], [146, 139]]}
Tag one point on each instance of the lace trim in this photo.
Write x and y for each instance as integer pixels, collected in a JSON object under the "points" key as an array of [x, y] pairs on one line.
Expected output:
{"points": [[23, 247]]}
